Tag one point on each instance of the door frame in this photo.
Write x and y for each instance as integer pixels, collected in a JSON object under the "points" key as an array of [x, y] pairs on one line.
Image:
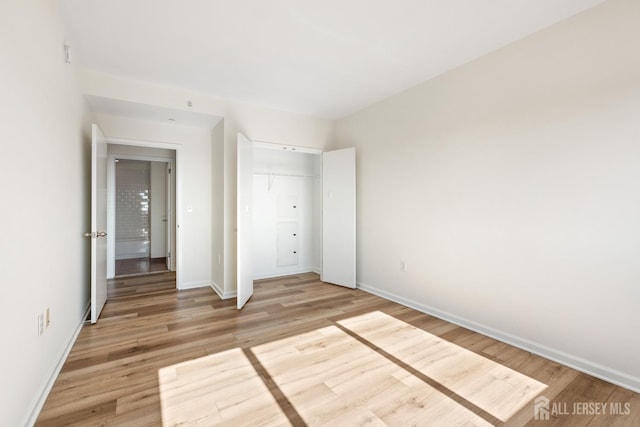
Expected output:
{"points": [[175, 169], [111, 206]]}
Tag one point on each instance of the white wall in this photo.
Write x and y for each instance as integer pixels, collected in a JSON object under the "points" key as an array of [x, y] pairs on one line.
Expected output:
{"points": [[45, 203], [194, 192], [511, 187]]}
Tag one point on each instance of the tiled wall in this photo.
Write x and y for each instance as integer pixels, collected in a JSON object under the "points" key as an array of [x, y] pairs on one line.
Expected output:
{"points": [[132, 208]]}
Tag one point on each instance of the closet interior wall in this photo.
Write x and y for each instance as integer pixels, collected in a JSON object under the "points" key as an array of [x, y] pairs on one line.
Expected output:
{"points": [[287, 220]]}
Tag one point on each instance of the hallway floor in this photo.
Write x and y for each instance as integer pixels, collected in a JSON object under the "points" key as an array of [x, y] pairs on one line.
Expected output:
{"points": [[125, 267]]}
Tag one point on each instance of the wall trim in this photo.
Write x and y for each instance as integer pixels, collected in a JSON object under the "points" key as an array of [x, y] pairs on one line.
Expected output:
{"points": [[223, 295], [37, 407], [285, 273], [586, 366], [194, 285]]}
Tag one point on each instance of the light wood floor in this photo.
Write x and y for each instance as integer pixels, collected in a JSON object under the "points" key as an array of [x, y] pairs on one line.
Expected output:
{"points": [[305, 353]]}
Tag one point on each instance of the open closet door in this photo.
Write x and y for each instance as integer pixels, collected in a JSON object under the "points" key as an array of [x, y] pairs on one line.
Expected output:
{"points": [[244, 220], [98, 222], [339, 217]]}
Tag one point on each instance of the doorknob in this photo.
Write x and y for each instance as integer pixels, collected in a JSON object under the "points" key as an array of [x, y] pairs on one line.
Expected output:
{"points": [[94, 235]]}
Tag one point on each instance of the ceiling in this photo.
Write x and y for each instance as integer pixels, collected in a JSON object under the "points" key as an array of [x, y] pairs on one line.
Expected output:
{"points": [[154, 113], [326, 58]]}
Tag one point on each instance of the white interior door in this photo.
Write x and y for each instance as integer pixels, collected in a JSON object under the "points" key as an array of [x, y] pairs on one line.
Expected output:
{"points": [[98, 222], [244, 220], [339, 217]]}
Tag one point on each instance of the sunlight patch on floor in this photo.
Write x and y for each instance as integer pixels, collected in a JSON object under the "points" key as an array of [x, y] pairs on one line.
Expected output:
{"points": [[216, 389], [369, 369], [495, 388], [330, 377]]}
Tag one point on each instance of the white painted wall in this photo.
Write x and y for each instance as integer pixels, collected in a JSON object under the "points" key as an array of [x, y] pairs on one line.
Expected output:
{"points": [[279, 174], [45, 203], [511, 188], [194, 192]]}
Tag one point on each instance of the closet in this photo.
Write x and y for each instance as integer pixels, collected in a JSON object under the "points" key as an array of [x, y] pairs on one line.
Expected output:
{"points": [[296, 213], [287, 209]]}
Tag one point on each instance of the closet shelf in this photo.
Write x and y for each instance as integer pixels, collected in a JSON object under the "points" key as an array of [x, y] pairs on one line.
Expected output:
{"points": [[286, 174]]}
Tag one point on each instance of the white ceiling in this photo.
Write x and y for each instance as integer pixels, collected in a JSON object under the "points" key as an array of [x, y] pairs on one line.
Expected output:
{"points": [[327, 58]]}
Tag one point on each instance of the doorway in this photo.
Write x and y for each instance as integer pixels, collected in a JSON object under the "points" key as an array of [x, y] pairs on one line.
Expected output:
{"points": [[141, 207], [142, 211]]}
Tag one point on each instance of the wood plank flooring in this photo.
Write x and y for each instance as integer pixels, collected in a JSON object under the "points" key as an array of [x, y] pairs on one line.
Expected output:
{"points": [[305, 353], [127, 267]]}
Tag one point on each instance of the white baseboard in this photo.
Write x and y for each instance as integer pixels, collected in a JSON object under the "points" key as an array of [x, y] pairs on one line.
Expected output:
{"points": [[37, 407], [223, 295], [194, 285], [588, 367], [284, 273]]}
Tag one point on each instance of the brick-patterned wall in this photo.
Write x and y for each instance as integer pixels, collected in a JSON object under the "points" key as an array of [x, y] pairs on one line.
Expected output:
{"points": [[132, 200]]}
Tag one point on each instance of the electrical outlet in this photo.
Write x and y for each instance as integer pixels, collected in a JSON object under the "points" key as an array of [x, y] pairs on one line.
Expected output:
{"points": [[40, 324], [403, 266], [219, 259], [47, 318]]}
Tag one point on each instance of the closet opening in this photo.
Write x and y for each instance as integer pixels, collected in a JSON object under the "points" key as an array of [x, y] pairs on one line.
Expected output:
{"points": [[296, 213], [287, 211]]}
